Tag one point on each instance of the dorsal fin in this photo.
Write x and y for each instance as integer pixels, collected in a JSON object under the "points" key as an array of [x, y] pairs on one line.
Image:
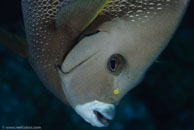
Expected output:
{"points": [[78, 14]]}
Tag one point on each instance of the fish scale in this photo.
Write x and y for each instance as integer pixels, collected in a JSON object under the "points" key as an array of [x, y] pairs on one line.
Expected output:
{"points": [[39, 17], [119, 8], [135, 10]]}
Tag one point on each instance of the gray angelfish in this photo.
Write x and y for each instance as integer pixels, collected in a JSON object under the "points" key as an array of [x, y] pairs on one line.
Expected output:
{"points": [[104, 47]]}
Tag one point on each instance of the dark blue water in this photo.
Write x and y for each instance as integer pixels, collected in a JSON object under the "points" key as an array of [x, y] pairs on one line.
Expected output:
{"points": [[164, 100]]}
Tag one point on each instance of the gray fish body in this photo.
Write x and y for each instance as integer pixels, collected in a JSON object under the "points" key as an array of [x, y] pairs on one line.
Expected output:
{"points": [[137, 30]]}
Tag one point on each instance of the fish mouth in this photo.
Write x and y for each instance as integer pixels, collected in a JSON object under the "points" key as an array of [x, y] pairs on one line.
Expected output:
{"points": [[102, 118], [96, 113]]}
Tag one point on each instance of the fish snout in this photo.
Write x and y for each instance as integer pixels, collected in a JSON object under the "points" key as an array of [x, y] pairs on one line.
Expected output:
{"points": [[96, 113]]}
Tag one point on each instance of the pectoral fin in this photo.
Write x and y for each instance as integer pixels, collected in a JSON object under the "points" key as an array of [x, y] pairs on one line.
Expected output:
{"points": [[14, 42], [78, 14]]}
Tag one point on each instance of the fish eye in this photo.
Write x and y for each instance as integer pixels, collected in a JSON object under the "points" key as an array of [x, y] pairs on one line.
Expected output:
{"points": [[115, 64]]}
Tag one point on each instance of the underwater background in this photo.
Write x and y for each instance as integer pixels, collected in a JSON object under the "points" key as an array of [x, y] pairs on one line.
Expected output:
{"points": [[163, 101]]}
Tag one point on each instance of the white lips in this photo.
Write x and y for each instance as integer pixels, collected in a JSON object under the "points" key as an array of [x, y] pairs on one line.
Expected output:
{"points": [[86, 111]]}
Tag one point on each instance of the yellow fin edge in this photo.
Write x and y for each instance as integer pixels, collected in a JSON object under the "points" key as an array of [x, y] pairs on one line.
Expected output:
{"points": [[100, 10]]}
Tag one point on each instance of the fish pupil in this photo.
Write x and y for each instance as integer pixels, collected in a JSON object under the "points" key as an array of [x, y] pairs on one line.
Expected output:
{"points": [[113, 64]]}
